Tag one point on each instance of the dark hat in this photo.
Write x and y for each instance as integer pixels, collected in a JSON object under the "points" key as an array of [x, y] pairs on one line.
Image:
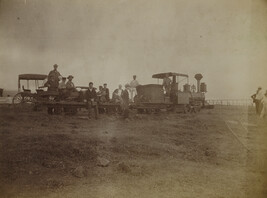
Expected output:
{"points": [[64, 78], [105, 83], [90, 83], [127, 85], [70, 76], [55, 65]]}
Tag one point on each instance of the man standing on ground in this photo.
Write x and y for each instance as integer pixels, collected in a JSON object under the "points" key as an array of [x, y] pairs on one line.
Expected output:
{"points": [[264, 106], [133, 84], [125, 101], [257, 100], [91, 97], [53, 79]]}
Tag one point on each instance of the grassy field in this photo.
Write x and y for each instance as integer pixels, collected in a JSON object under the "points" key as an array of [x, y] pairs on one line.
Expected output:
{"points": [[215, 153]]}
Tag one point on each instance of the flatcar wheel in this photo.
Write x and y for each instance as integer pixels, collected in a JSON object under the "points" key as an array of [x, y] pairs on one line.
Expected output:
{"points": [[70, 111], [73, 111], [57, 110], [140, 110], [50, 110], [148, 111]]}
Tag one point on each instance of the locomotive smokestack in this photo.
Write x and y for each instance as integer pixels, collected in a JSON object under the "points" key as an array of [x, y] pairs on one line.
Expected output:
{"points": [[198, 77]]}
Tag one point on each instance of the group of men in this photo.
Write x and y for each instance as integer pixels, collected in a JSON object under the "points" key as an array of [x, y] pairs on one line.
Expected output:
{"points": [[130, 91], [56, 82], [103, 93], [53, 82], [260, 100]]}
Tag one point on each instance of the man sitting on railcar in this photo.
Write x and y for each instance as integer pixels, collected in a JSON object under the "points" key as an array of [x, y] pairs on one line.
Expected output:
{"points": [[71, 89], [101, 94], [70, 85], [62, 84]]}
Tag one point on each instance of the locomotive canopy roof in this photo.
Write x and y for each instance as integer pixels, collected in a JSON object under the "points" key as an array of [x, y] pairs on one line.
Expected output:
{"points": [[162, 75], [32, 76]]}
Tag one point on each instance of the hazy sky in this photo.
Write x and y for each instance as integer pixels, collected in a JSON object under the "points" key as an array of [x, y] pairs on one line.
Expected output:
{"points": [[110, 40]]}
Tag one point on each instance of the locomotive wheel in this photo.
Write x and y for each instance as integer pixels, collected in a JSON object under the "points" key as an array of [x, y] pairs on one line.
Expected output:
{"points": [[186, 109]]}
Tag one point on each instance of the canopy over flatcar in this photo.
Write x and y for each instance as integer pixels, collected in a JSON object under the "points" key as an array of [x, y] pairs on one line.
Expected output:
{"points": [[162, 75], [32, 76]]}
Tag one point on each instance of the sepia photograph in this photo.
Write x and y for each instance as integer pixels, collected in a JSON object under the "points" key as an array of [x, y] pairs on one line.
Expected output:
{"points": [[133, 99]]}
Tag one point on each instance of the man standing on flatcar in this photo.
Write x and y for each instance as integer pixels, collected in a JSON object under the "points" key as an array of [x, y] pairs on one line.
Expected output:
{"points": [[133, 84], [53, 79]]}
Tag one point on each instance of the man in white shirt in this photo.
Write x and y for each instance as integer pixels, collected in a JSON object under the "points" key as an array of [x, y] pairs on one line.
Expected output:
{"points": [[120, 90], [133, 84], [62, 84]]}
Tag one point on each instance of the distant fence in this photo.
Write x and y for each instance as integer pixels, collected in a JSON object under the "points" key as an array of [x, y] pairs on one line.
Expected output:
{"points": [[231, 102]]}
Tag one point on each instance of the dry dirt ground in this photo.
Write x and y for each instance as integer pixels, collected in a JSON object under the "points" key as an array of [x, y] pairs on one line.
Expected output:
{"points": [[214, 153]]}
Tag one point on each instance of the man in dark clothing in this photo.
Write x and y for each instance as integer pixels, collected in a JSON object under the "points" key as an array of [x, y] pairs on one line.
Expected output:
{"points": [[91, 93], [53, 79], [106, 90], [125, 101], [167, 84], [257, 98], [91, 98]]}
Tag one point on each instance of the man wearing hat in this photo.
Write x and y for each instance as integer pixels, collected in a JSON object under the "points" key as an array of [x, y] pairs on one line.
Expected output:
{"points": [[70, 85], [53, 78], [133, 84]]}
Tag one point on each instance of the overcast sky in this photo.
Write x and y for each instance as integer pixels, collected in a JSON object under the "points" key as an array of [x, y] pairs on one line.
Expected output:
{"points": [[110, 40]]}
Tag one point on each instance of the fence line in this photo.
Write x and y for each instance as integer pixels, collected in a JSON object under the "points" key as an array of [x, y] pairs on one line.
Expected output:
{"points": [[230, 102]]}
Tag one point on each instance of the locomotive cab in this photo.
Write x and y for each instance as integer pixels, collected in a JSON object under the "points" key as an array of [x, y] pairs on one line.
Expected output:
{"points": [[176, 96]]}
